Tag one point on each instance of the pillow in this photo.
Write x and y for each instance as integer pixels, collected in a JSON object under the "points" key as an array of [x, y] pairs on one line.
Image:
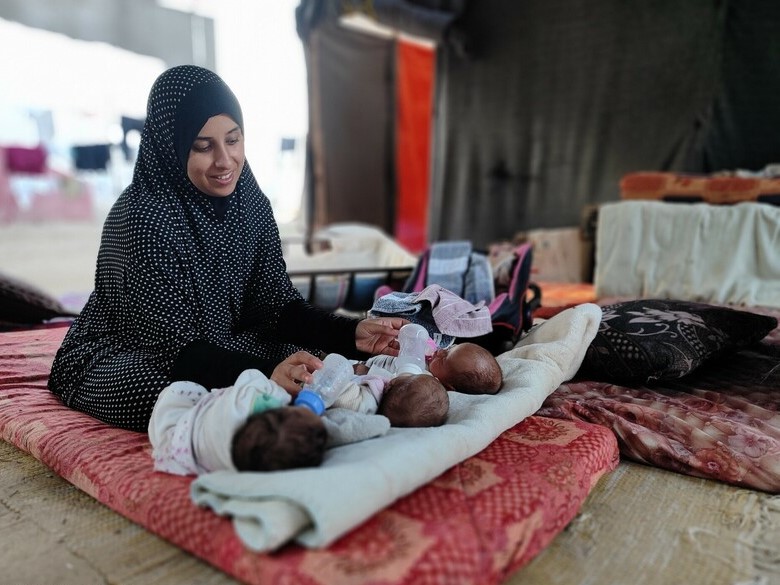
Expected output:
{"points": [[23, 304], [650, 340]]}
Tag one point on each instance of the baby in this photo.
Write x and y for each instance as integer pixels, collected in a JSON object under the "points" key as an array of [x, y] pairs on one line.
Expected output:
{"points": [[286, 437], [293, 436], [415, 401], [464, 367], [251, 425], [193, 430], [407, 400], [468, 368]]}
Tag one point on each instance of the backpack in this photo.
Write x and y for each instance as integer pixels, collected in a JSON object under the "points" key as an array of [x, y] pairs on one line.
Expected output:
{"points": [[502, 281]]}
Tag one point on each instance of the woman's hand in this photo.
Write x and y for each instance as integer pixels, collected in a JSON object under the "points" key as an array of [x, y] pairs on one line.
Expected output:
{"points": [[295, 371], [379, 335]]}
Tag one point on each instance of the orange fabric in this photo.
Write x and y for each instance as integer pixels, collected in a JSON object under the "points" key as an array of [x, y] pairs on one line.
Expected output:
{"points": [[717, 189], [476, 523], [414, 86], [566, 294], [559, 296]]}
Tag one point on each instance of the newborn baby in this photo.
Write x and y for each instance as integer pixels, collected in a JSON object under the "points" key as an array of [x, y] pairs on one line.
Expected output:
{"points": [[251, 426], [464, 367], [415, 401]]}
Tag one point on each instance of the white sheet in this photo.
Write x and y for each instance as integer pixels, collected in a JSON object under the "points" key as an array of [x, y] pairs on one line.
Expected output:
{"points": [[316, 506], [351, 246], [694, 252]]}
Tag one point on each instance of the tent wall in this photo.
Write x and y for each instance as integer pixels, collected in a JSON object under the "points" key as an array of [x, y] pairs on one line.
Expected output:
{"points": [[557, 99], [541, 106], [351, 128], [745, 116]]}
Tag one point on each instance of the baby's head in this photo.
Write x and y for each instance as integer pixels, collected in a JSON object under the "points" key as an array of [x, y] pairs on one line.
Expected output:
{"points": [[279, 438], [467, 368], [415, 401]]}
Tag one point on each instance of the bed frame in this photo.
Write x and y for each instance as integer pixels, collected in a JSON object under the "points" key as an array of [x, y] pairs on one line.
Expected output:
{"points": [[350, 290]]}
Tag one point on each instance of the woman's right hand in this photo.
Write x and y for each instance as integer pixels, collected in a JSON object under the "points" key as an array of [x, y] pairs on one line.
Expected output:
{"points": [[295, 371]]}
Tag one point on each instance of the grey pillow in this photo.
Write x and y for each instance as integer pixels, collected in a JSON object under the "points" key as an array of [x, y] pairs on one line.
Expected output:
{"points": [[647, 340]]}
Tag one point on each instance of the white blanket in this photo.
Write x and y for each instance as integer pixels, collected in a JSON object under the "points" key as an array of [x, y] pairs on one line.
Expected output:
{"points": [[700, 252], [316, 506]]}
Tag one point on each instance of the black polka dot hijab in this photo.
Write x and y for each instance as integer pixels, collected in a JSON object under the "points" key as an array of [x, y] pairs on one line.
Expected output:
{"points": [[181, 101]]}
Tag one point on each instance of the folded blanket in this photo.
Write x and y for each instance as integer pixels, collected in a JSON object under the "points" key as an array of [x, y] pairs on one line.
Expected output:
{"points": [[443, 313], [316, 506], [700, 252]]}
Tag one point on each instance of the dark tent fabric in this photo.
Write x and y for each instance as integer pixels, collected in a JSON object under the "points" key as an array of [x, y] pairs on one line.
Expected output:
{"points": [[356, 170], [429, 19], [746, 115], [544, 105], [558, 100], [351, 133]]}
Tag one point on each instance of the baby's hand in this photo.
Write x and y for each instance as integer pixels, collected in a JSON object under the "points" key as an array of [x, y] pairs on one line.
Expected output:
{"points": [[360, 369]]}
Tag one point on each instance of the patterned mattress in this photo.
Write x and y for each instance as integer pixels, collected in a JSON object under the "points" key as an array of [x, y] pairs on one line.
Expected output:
{"points": [[720, 422], [479, 522]]}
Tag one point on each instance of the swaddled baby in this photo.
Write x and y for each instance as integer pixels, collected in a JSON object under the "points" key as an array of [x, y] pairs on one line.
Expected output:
{"points": [[463, 367], [251, 425]]}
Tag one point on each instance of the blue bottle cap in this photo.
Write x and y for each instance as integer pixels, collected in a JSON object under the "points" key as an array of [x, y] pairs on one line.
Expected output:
{"points": [[310, 400]]}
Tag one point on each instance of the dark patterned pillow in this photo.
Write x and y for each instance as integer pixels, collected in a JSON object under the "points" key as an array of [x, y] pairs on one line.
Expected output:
{"points": [[24, 304], [646, 340]]}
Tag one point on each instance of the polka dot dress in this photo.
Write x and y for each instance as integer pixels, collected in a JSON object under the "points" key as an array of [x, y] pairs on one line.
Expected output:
{"points": [[169, 271]]}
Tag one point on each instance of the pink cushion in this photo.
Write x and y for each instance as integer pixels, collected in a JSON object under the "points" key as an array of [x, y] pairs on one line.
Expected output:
{"points": [[20, 159]]}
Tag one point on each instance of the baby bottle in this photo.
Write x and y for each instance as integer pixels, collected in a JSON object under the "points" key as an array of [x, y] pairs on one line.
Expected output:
{"points": [[415, 343], [327, 384]]}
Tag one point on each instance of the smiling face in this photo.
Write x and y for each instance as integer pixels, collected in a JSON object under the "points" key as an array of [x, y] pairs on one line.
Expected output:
{"points": [[217, 157]]}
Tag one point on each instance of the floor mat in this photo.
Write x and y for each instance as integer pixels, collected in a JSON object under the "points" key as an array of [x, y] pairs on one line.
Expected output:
{"points": [[477, 523]]}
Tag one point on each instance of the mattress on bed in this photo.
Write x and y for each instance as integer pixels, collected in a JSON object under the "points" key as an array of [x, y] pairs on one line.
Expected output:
{"points": [[720, 422], [697, 252], [477, 523]]}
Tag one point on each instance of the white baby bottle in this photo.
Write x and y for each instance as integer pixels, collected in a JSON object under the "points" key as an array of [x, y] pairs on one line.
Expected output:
{"points": [[415, 343], [327, 384]]}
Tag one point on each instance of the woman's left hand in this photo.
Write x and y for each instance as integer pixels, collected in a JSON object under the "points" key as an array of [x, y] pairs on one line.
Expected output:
{"points": [[379, 335], [295, 371]]}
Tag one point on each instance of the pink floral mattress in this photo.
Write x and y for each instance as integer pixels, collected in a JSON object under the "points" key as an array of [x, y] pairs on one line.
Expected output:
{"points": [[721, 422], [478, 522]]}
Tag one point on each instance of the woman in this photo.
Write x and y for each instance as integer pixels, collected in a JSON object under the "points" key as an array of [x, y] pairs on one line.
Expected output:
{"points": [[190, 281]]}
